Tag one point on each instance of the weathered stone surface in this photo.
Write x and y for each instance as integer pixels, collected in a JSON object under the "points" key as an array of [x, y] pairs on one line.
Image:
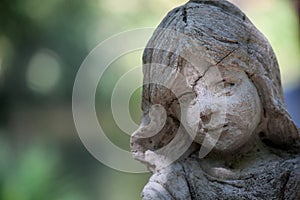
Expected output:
{"points": [[218, 81], [258, 175]]}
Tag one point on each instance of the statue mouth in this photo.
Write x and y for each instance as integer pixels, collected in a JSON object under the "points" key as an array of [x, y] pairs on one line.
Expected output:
{"points": [[207, 129]]}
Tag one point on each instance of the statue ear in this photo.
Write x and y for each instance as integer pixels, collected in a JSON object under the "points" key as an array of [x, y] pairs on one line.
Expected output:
{"points": [[281, 130], [278, 128]]}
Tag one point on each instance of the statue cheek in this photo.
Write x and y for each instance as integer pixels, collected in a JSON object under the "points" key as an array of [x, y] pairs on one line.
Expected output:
{"points": [[243, 114], [244, 104]]}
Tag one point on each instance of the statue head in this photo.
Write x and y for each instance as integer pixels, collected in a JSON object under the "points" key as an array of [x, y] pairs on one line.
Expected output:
{"points": [[229, 74]]}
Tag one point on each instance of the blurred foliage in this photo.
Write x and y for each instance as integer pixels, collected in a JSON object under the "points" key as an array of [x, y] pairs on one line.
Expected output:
{"points": [[35, 173], [42, 45]]}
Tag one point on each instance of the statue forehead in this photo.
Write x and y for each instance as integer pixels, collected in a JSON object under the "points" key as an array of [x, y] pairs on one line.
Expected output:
{"points": [[187, 38]]}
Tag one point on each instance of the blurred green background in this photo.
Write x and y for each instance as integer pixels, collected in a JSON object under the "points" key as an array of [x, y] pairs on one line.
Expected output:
{"points": [[42, 45]]}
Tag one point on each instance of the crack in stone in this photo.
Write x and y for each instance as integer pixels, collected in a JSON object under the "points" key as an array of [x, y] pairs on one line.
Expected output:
{"points": [[184, 13], [191, 191], [227, 55], [200, 77], [283, 188], [224, 39]]}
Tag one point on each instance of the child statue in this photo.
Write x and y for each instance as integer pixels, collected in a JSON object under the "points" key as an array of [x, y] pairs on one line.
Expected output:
{"points": [[214, 122]]}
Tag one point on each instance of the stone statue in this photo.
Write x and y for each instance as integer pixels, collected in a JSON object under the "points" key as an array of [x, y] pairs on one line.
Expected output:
{"points": [[214, 122]]}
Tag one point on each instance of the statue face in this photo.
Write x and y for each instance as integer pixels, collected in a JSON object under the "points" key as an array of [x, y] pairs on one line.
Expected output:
{"points": [[224, 109], [230, 109]]}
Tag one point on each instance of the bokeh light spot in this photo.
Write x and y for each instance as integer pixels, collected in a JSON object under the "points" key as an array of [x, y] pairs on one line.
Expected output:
{"points": [[43, 72]]}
